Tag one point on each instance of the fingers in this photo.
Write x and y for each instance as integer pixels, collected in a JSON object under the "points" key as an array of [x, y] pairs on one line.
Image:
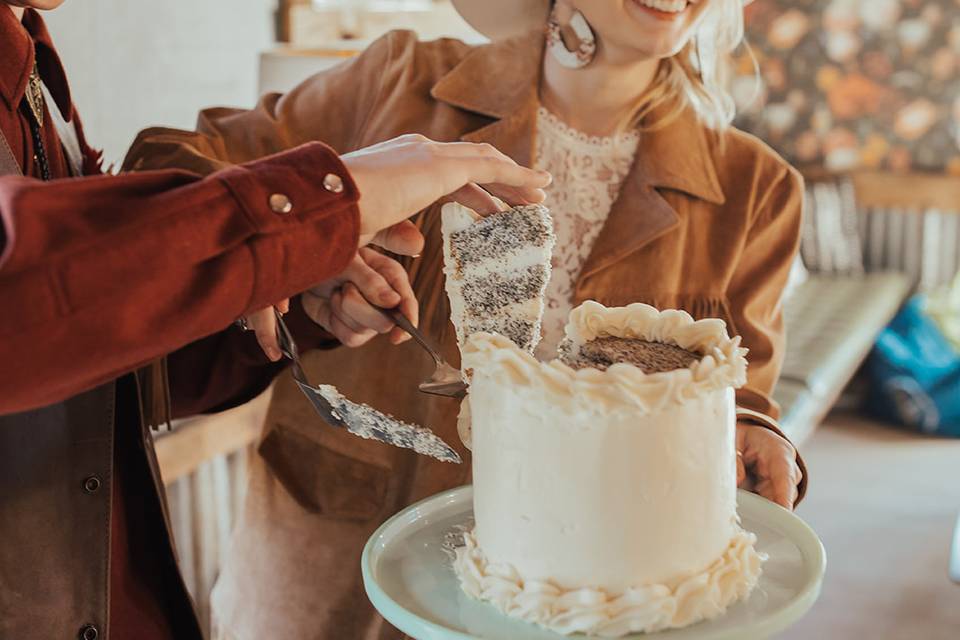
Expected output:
{"points": [[399, 280], [476, 198], [515, 184], [402, 238], [320, 309], [399, 177], [516, 196], [264, 325], [385, 283], [369, 275], [346, 330], [772, 461], [741, 470], [484, 164], [283, 306], [783, 474], [358, 314], [353, 311], [317, 306]]}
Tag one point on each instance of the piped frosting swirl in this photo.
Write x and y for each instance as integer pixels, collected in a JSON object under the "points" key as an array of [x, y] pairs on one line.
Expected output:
{"points": [[723, 364], [592, 611]]}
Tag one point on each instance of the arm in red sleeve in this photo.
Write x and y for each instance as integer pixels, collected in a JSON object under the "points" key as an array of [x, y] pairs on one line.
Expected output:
{"points": [[101, 275]]}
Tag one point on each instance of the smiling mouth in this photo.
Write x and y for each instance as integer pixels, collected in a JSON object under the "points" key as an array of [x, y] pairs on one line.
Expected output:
{"points": [[664, 9]]}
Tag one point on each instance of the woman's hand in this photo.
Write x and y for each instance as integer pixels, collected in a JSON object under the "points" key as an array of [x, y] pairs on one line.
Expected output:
{"points": [[344, 305], [767, 464], [396, 179], [399, 177]]}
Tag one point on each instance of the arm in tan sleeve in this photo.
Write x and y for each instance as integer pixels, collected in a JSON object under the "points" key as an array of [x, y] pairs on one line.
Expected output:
{"points": [[755, 295], [756, 290], [332, 106]]}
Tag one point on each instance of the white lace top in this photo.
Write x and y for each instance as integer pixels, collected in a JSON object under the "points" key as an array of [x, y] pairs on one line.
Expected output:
{"points": [[587, 174]]}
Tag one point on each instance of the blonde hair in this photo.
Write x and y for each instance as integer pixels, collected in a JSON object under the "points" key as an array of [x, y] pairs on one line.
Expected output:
{"points": [[698, 76]]}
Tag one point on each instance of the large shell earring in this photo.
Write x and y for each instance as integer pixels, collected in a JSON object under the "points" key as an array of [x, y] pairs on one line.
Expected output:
{"points": [[586, 49]]}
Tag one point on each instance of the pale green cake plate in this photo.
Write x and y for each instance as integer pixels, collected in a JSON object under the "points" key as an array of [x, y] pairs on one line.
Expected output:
{"points": [[408, 575]]}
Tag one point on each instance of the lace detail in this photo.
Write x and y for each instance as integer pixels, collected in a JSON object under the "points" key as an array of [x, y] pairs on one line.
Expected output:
{"points": [[588, 172], [577, 138]]}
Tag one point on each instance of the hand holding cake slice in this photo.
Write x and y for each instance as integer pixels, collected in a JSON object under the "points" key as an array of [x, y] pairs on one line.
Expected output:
{"points": [[605, 482], [496, 269]]}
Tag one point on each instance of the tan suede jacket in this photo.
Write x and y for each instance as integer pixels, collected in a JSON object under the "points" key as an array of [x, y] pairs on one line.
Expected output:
{"points": [[706, 221]]}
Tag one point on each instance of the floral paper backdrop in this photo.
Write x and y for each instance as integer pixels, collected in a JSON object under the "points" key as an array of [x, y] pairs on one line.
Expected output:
{"points": [[855, 83]]}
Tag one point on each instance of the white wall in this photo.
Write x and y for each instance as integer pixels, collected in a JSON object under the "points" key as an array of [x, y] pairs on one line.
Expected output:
{"points": [[136, 63]]}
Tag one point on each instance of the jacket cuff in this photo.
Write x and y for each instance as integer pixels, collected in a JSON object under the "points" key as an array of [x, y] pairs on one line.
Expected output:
{"points": [[283, 191], [302, 206], [752, 400], [765, 421]]}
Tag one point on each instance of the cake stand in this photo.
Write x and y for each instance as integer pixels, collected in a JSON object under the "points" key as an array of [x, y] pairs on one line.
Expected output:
{"points": [[409, 577]]}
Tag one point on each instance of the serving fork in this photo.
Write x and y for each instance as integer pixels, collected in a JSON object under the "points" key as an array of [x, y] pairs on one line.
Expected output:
{"points": [[445, 381]]}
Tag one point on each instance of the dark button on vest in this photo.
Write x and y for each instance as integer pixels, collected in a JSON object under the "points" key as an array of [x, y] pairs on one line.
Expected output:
{"points": [[92, 484]]}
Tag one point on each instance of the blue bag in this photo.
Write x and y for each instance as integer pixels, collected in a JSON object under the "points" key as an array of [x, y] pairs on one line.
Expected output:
{"points": [[915, 374]]}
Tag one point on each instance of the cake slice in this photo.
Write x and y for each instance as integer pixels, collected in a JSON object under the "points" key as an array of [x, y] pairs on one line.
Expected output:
{"points": [[497, 268]]}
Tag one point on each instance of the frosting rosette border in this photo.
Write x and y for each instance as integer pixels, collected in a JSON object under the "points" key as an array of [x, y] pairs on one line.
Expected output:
{"points": [[723, 363], [586, 610]]}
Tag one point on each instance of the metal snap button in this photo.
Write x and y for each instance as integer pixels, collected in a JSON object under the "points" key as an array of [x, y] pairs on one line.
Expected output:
{"points": [[92, 484], [280, 203], [333, 183], [89, 632]]}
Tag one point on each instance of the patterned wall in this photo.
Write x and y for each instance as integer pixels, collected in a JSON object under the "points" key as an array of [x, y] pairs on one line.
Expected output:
{"points": [[855, 83]]}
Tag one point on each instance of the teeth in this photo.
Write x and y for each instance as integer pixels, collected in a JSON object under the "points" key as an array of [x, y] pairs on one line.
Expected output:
{"points": [[670, 6]]}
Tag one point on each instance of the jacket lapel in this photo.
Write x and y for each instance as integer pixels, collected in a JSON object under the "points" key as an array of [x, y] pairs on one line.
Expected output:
{"points": [[501, 80], [675, 157], [639, 216], [513, 136]]}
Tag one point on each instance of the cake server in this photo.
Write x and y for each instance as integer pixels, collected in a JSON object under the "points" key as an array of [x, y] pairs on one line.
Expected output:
{"points": [[445, 381], [358, 419]]}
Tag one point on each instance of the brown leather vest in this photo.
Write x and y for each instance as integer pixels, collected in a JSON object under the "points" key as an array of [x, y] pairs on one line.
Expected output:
{"points": [[55, 518], [56, 471]]}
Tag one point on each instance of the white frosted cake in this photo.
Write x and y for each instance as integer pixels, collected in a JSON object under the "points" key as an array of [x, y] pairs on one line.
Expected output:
{"points": [[604, 496], [496, 269]]}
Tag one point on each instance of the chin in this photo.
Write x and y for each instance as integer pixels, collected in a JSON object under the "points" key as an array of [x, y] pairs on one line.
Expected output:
{"points": [[661, 28], [659, 51]]}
